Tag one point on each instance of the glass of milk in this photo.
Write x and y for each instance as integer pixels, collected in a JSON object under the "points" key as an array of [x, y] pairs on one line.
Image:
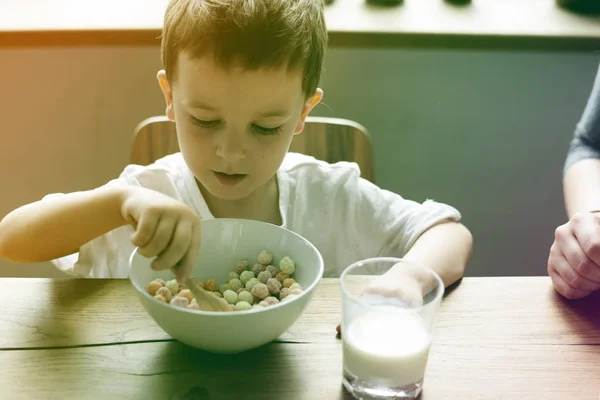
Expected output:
{"points": [[386, 327]]}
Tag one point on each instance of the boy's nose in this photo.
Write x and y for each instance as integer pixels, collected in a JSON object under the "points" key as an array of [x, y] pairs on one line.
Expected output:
{"points": [[231, 147]]}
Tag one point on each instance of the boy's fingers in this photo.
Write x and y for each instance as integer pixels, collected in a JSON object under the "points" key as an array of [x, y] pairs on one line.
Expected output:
{"points": [[161, 239], [144, 231], [564, 289], [179, 243], [185, 268]]}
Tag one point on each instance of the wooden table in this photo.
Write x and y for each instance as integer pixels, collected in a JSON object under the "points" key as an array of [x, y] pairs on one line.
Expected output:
{"points": [[495, 338], [514, 24]]}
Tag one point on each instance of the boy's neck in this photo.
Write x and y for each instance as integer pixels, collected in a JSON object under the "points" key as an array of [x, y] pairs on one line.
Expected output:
{"points": [[261, 205]]}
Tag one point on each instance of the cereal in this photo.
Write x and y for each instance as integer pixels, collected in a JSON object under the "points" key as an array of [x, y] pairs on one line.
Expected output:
{"points": [[282, 277], [260, 291], [224, 287], [250, 284], [242, 306], [232, 275], [246, 276], [258, 268], [295, 285], [164, 292], [160, 298], [244, 288], [274, 286], [211, 285], [269, 301], [283, 293], [288, 282], [153, 287], [187, 294], [230, 296], [235, 284], [273, 270], [265, 257], [287, 265], [173, 286], [245, 296], [241, 266], [264, 276], [179, 301]]}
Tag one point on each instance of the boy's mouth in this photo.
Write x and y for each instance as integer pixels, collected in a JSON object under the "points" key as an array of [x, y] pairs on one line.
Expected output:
{"points": [[229, 179]]}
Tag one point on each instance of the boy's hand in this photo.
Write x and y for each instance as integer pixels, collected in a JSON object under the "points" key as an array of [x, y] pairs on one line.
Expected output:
{"points": [[164, 227], [573, 263]]}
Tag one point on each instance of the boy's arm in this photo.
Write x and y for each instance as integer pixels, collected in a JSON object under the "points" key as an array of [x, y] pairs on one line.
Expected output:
{"points": [[445, 248], [56, 227]]}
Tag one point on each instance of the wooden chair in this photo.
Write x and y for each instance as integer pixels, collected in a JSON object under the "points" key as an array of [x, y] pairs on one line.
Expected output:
{"points": [[327, 139]]}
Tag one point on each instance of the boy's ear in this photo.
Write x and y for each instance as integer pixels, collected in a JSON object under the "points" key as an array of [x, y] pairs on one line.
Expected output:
{"points": [[167, 92], [309, 104]]}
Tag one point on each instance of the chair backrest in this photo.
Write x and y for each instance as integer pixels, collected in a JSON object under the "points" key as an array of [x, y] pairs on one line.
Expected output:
{"points": [[327, 139]]}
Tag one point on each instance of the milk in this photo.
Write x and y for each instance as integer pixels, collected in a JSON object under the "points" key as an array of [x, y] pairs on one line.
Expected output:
{"points": [[387, 346]]}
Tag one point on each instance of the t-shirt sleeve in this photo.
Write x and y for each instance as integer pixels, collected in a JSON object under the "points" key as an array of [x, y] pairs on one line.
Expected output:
{"points": [[388, 224], [586, 140]]}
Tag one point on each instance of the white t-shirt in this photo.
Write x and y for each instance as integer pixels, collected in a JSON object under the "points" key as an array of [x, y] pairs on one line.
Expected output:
{"points": [[346, 217]]}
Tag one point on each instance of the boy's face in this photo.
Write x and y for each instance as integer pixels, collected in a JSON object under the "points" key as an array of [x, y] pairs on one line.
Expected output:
{"points": [[234, 126]]}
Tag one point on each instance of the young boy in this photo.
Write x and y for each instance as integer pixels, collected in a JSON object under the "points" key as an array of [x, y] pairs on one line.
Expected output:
{"points": [[239, 79]]}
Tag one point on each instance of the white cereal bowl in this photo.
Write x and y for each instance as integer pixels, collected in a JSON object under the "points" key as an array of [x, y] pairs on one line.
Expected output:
{"points": [[224, 241]]}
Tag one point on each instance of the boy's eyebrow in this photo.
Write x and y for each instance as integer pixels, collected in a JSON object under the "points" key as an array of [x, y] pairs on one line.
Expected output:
{"points": [[266, 114]]}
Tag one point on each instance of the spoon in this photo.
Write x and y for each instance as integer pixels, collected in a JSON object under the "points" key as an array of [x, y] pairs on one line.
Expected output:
{"points": [[206, 300]]}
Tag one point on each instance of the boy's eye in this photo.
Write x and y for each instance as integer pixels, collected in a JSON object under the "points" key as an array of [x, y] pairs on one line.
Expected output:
{"points": [[204, 124], [266, 131]]}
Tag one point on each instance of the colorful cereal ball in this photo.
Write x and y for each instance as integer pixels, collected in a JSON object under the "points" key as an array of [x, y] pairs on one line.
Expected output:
{"points": [[273, 270], [258, 268], [211, 285], [153, 287], [265, 257], [287, 265], [264, 276], [241, 266], [274, 286], [269, 301], [246, 276], [232, 275], [179, 301], [173, 286], [295, 285], [164, 292], [282, 277], [260, 291], [224, 287], [230, 296], [193, 306], [187, 294], [288, 282], [245, 296], [295, 291], [250, 284], [161, 298], [243, 306], [235, 284], [283, 293]]}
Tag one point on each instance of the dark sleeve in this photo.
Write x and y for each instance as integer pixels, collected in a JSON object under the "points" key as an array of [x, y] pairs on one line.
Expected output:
{"points": [[586, 141]]}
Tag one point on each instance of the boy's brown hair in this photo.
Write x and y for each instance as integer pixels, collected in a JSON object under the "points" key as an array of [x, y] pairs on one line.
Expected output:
{"points": [[250, 33]]}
